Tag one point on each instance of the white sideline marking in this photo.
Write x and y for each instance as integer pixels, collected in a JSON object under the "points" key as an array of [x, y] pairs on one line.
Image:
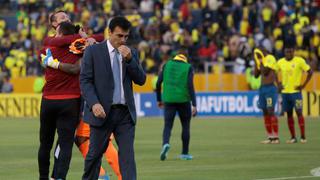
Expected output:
{"points": [[315, 174], [284, 178]]}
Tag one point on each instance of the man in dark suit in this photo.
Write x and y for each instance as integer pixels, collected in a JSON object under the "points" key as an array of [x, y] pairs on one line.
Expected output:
{"points": [[107, 72]]}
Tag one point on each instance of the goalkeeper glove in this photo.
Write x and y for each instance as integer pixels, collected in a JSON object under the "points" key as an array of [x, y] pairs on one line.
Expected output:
{"points": [[48, 61], [78, 46]]}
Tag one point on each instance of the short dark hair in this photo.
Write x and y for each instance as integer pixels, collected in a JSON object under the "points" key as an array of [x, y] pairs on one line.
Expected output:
{"points": [[183, 50], [289, 43], [52, 16], [67, 28], [120, 21]]}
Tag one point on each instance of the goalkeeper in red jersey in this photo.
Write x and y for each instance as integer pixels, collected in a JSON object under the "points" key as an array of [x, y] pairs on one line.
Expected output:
{"points": [[266, 67], [60, 109]]}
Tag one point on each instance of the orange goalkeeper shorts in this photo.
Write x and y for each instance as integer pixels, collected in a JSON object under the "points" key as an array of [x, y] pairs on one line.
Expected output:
{"points": [[83, 130]]}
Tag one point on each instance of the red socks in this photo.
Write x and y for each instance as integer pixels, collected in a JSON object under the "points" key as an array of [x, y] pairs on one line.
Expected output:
{"points": [[274, 126], [301, 125], [291, 127], [267, 124]]}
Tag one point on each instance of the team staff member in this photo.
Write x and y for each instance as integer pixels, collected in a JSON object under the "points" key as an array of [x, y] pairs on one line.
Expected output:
{"points": [[108, 70], [178, 91], [291, 68]]}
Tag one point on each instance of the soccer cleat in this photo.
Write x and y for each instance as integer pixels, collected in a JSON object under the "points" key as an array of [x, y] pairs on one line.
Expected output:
{"points": [[291, 141], [275, 141], [164, 152], [267, 141], [186, 157], [303, 140], [104, 177]]}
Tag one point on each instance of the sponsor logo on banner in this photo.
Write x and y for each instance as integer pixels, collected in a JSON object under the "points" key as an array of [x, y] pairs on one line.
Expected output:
{"points": [[20, 105], [228, 104], [208, 104]]}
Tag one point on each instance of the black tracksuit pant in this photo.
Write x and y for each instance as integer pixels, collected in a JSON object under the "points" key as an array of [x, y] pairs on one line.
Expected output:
{"points": [[184, 112], [61, 116]]}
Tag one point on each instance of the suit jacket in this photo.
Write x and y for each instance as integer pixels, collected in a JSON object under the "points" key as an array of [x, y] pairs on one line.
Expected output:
{"points": [[97, 84]]}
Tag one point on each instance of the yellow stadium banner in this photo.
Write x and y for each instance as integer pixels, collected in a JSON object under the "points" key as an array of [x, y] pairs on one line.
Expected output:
{"points": [[20, 105]]}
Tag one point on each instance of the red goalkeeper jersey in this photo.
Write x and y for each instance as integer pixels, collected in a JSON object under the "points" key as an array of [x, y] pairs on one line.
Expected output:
{"points": [[57, 81]]}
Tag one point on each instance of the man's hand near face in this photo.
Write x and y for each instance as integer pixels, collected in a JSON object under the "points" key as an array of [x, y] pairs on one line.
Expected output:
{"points": [[125, 52]]}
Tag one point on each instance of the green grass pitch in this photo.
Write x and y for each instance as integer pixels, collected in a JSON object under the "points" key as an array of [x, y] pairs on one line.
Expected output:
{"points": [[223, 149]]}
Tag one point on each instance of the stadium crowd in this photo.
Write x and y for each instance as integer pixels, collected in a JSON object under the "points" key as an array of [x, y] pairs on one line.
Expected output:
{"points": [[212, 30]]}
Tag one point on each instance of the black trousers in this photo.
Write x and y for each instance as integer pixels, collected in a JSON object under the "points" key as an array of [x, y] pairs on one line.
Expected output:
{"points": [[61, 116], [184, 112], [118, 122]]}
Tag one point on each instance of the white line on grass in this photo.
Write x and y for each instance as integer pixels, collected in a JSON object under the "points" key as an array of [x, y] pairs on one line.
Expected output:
{"points": [[315, 172], [285, 178]]}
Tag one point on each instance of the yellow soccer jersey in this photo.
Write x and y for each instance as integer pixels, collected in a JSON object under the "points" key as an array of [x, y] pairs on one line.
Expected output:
{"points": [[270, 62], [291, 73]]}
